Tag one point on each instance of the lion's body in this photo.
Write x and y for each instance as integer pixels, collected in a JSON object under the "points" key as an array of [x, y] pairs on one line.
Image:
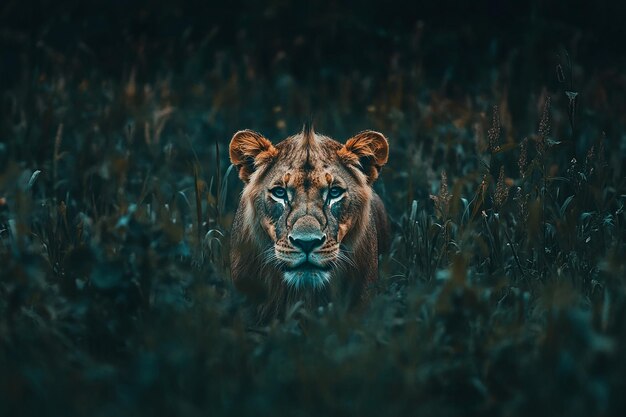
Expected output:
{"points": [[353, 227]]}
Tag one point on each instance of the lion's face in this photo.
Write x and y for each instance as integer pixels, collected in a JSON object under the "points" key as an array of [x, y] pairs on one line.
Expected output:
{"points": [[307, 198]]}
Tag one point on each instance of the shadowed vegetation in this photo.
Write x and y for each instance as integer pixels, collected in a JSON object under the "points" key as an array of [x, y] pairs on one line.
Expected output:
{"points": [[504, 290]]}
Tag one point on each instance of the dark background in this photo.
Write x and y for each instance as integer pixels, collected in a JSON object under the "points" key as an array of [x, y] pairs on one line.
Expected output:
{"points": [[503, 292], [456, 45]]}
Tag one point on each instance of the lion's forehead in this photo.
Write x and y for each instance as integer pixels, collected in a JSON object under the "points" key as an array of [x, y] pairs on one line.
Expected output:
{"points": [[317, 167], [292, 153], [321, 176]]}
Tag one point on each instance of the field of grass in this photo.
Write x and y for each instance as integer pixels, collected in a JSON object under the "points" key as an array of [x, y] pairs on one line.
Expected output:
{"points": [[505, 289]]}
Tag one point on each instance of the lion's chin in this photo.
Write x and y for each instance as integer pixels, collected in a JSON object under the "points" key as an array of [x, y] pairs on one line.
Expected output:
{"points": [[303, 279]]}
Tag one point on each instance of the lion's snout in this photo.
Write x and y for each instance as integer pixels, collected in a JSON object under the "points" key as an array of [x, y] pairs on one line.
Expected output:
{"points": [[306, 234]]}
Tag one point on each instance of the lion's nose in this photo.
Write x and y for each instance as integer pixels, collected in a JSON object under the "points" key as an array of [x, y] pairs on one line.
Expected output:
{"points": [[307, 243]]}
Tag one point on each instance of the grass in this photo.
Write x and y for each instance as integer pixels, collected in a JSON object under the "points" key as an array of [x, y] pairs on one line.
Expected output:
{"points": [[503, 293]]}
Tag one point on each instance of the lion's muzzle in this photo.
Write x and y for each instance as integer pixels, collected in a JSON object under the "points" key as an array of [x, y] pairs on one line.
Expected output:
{"points": [[307, 234]]}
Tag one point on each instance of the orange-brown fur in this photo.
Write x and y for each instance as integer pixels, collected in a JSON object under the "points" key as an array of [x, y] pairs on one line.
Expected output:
{"points": [[354, 227]]}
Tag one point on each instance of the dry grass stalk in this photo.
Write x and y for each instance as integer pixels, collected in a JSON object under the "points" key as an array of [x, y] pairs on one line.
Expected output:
{"points": [[522, 162], [502, 190], [544, 127], [494, 132]]}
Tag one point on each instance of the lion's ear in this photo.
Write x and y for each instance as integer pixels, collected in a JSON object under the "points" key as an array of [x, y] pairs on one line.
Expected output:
{"points": [[368, 151], [248, 151]]}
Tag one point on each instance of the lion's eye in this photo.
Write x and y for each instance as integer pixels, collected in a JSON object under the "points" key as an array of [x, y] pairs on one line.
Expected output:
{"points": [[279, 192], [335, 192]]}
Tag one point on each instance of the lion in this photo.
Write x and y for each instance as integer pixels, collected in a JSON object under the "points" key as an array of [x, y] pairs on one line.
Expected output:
{"points": [[309, 226]]}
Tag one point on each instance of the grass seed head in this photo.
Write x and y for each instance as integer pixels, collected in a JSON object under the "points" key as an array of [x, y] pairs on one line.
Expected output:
{"points": [[494, 131], [502, 190]]}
